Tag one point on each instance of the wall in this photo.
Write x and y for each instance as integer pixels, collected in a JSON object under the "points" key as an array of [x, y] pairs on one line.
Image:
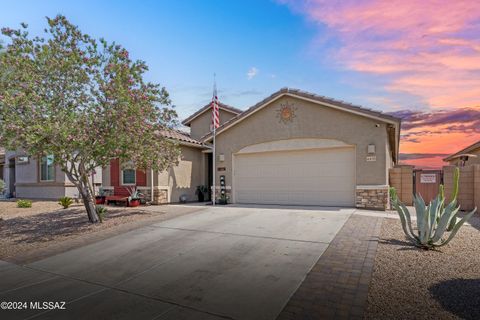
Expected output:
{"points": [[469, 186], [311, 121], [184, 178], [401, 178], [200, 126]]}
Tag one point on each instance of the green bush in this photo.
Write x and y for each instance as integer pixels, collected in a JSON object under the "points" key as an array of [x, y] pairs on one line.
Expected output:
{"points": [[101, 212], [24, 203], [2, 185], [65, 202]]}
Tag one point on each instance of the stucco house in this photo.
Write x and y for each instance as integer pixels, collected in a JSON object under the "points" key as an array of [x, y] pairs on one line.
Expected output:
{"points": [[34, 177], [292, 148], [465, 157]]}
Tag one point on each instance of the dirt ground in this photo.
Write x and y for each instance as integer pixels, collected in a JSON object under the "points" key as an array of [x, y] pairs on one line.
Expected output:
{"points": [[411, 283], [23, 230]]}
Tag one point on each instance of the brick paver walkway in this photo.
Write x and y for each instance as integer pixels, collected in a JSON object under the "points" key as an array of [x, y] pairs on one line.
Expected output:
{"points": [[337, 286]]}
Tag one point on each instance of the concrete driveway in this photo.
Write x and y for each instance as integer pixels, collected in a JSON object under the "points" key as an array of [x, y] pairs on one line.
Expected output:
{"points": [[220, 262]]}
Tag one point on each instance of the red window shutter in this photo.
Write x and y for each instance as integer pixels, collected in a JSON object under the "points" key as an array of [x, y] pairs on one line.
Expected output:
{"points": [[141, 177]]}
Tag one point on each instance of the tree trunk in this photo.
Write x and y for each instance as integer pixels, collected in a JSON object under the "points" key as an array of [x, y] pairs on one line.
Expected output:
{"points": [[88, 203], [79, 177]]}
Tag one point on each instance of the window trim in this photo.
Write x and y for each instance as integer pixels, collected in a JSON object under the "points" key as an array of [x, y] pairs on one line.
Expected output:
{"points": [[125, 166], [40, 169]]}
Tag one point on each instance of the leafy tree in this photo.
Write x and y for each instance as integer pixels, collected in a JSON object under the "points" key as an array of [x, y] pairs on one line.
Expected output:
{"points": [[83, 101]]}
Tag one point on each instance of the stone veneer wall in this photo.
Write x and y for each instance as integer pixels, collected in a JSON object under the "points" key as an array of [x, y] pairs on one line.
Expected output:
{"points": [[228, 192], [372, 197], [160, 196]]}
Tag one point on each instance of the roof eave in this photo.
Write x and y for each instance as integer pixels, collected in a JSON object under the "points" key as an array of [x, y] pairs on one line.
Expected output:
{"points": [[284, 92]]}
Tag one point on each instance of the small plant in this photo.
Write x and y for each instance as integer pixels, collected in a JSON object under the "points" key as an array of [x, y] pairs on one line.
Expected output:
{"points": [[100, 198], [223, 199], [24, 203], [101, 212], [65, 202], [201, 192], [2, 186], [135, 194], [432, 220]]}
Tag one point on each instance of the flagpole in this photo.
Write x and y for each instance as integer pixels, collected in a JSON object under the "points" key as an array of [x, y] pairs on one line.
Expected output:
{"points": [[213, 155]]}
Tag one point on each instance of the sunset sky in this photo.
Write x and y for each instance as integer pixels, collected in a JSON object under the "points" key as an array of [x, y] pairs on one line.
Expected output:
{"points": [[419, 60]]}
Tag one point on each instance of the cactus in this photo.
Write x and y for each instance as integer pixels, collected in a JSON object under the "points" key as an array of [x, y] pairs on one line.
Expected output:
{"points": [[432, 220]]}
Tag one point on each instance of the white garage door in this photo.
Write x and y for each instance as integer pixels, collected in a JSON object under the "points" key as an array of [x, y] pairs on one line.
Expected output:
{"points": [[324, 177]]}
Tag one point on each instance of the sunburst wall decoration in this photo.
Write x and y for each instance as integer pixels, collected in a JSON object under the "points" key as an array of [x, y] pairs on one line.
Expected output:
{"points": [[286, 112]]}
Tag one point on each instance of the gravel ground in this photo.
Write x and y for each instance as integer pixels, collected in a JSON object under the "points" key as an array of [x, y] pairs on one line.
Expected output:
{"points": [[8, 208], [411, 283], [46, 224]]}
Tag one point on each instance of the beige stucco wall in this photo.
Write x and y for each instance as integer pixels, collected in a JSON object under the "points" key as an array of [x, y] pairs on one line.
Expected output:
{"points": [[28, 184], [184, 178], [311, 121], [200, 126]]}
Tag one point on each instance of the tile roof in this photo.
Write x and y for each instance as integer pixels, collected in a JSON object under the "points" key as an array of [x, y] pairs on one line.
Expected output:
{"points": [[180, 136], [206, 107], [322, 99], [468, 149]]}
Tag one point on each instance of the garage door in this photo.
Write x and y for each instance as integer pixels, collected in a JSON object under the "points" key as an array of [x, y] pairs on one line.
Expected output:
{"points": [[324, 177]]}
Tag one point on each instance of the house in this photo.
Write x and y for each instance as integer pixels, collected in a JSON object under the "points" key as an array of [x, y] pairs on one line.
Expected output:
{"points": [[34, 177], [292, 148], [465, 157]]}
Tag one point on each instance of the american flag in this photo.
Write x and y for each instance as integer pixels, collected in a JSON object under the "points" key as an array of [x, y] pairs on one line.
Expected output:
{"points": [[215, 111]]}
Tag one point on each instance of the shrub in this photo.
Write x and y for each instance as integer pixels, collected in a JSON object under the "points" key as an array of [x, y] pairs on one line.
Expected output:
{"points": [[101, 212], [24, 203], [65, 202], [2, 185], [432, 220]]}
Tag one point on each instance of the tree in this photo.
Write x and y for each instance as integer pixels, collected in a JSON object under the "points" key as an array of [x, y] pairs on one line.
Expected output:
{"points": [[83, 101]]}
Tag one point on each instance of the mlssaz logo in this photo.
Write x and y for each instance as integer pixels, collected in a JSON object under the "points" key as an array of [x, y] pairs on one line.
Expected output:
{"points": [[286, 112], [47, 305]]}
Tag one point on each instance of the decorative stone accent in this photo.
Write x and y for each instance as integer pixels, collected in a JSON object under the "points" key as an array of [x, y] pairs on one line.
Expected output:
{"points": [[372, 197], [160, 196]]}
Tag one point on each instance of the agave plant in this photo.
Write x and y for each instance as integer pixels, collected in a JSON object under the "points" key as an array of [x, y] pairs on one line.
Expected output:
{"points": [[434, 220]]}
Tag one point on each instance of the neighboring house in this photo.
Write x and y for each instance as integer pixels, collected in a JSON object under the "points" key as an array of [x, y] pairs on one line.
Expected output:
{"points": [[464, 157], [37, 177], [292, 148]]}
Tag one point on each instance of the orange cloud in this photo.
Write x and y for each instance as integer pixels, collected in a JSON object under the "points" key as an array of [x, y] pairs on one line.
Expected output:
{"points": [[429, 49]]}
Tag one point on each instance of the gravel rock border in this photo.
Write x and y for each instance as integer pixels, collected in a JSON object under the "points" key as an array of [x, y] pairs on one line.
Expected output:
{"points": [[411, 283]]}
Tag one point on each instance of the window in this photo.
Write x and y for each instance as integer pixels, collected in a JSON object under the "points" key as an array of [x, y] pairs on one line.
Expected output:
{"points": [[128, 173], [47, 168], [128, 176]]}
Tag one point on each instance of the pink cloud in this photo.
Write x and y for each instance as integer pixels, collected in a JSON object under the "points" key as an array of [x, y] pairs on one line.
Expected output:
{"points": [[429, 49]]}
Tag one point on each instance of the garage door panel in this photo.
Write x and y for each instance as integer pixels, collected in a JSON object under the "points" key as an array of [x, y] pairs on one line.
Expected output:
{"points": [[309, 177]]}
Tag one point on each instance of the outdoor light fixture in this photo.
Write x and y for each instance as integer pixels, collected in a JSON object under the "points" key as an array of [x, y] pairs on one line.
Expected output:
{"points": [[371, 149]]}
